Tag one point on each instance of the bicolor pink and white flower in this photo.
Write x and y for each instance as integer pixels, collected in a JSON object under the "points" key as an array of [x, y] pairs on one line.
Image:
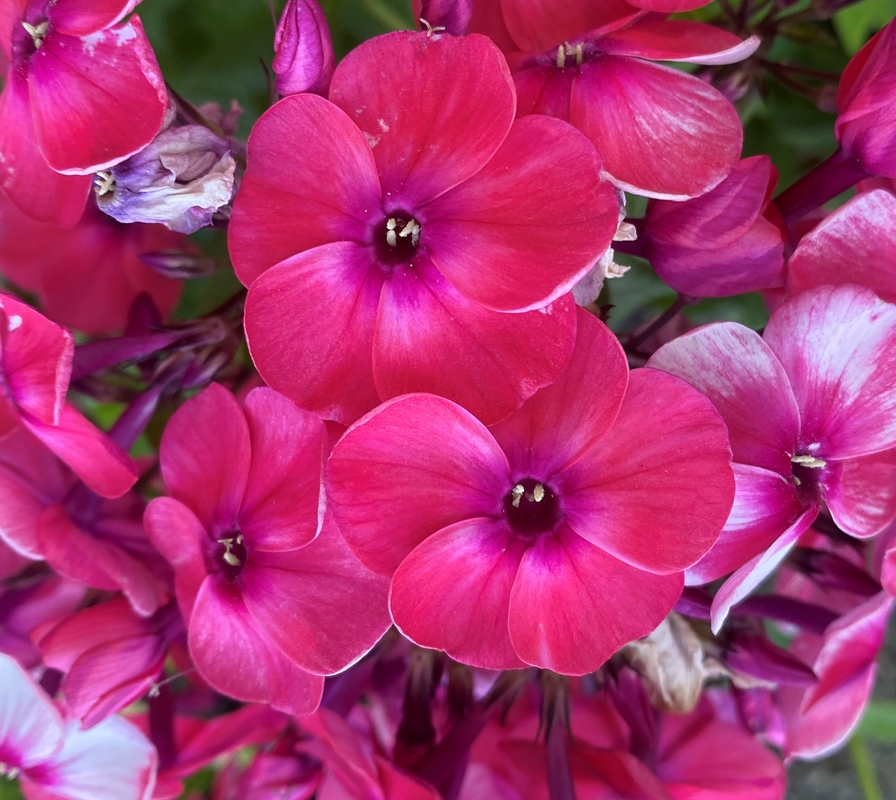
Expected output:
{"points": [[552, 538], [810, 412]]}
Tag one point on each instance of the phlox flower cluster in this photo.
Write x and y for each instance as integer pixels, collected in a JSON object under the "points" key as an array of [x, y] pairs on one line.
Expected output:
{"points": [[406, 506]]}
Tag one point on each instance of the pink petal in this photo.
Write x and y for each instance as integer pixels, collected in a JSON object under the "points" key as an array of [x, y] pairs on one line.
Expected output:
{"points": [[99, 563], [296, 598], [430, 338], [288, 204], [31, 729], [240, 662], [538, 25], [755, 571], [413, 466], [433, 109], [83, 17], [765, 505], [453, 590], [860, 493], [205, 457], [91, 454], [507, 238], [838, 346], [749, 387], [660, 133], [37, 360], [573, 605], [660, 39], [284, 503], [669, 6], [657, 489], [25, 177], [854, 244], [310, 326], [176, 533], [11, 13], [560, 422], [73, 82], [112, 761]]}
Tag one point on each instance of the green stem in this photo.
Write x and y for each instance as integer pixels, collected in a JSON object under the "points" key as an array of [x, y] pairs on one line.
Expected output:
{"points": [[864, 767]]}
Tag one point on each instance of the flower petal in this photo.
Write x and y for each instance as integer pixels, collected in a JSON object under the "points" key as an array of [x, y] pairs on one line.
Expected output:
{"points": [[573, 605], [430, 338], [527, 226], [860, 493], [658, 39], [83, 17], [413, 466], [452, 592], [310, 325], [434, 109]]}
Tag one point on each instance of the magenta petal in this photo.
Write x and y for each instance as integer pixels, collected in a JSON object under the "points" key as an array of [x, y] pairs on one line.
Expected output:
{"points": [[434, 109], [557, 424], [205, 456], [73, 82], [410, 468], [660, 133], [740, 374], [31, 730], [25, 177], [284, 503], [176, 533], [83, 17], [845, 380], [287, 204], [573, 605], [656, 490], [453, 591], [526, 227], [237, 660], [765, 505], [310, 324], [860, 493], [93, 456], [755, 571], [854, 244], [112, 761], [430, 338], [317, 604], [658, 39]]}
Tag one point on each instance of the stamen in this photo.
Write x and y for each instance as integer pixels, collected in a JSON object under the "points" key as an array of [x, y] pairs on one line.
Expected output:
{"points": [[561, 57], [230, 557], [11, 772], [517, 493], [37, 32], [578, 52], [411, 229], [391, 237], [430, 30], [104, 182], [809, 461], [537, 493]]}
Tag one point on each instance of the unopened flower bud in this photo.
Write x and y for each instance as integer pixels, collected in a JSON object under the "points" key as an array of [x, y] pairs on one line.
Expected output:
{"points": [[180, 180], [450, 16], [179, 263], [304, 60]]}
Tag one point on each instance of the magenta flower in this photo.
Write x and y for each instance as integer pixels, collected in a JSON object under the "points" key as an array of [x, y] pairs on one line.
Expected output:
{"points": [[383, 233], [304, 60], [83, 92], [660, 132], [35, 365], [54, 758], [721, 243], [552, 538], [270, 604], [810, 412]]}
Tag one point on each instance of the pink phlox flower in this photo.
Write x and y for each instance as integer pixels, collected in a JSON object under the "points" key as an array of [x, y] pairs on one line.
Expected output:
{"points": [[34, 376], [87, 277], [303, 50], [55, 760], [83, 92], [810, 412], [505, 545], [660, 132], [381, 261], [46, 513], [724, 242], [273, 597]]}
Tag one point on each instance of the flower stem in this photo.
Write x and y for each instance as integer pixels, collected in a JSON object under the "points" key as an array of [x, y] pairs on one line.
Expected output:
{"points": [[834, 175]]}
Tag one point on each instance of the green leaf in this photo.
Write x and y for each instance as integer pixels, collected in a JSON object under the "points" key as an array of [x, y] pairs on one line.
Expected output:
{"points": [[864, 766], [878, 723], [9, 790], [856, 23]]}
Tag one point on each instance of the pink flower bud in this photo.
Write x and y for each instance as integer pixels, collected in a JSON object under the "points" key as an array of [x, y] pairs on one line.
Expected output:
{"points": [[304, 60]]}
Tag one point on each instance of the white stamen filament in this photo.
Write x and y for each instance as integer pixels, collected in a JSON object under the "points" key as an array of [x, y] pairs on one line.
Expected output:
{"points": [[809, 461], [11, 772], [230, 557], [411, 228], [517, 493], [567, 49], [104, 182], [37, 32]]}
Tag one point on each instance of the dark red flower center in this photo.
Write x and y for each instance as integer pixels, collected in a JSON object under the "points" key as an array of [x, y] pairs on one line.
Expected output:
{"points": [[808, 473], [28, 37], [397, 238], [531, 507]]}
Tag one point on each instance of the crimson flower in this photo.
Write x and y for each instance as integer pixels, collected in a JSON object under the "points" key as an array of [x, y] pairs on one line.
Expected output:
{"points": [[552, 538], [383, 233]]}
